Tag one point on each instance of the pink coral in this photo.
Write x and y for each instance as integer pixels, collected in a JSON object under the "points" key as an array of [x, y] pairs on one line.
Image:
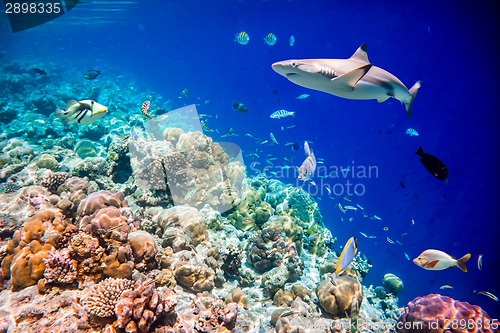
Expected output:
{"points": [[436, 313], [59, 267], [100, 199], [138, 309]]}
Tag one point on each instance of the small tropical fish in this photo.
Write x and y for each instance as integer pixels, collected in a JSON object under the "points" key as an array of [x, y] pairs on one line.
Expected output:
{"points": [[292, 126], [273, 138], [437, 168], [412, 222], [446, 287], [270, 39], [240, 108], [386, 228], [204, 126], [308, 167], [341, 208], [350, 207], [480, 262], [404, 234], [375, 217], [9, 187], [46, 236], [145, 108], [84, 112], [486, 293], [347, 199], [354, 314], [282, 114], [39, 71], [390, 240], [406, 255], [364, 235], [411, 132], [292, 40], [242, 38], [346, 257], [92, 74], [360, 207], [190, 194], [436, 260], [133, 133], [184, 93], [303, 96]]}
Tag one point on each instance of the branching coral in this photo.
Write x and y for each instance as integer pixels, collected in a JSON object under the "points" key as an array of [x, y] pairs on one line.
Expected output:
{"points": [[100, 299]]}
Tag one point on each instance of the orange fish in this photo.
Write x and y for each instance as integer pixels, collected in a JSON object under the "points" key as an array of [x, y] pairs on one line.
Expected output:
{"points": [[145, 108]]}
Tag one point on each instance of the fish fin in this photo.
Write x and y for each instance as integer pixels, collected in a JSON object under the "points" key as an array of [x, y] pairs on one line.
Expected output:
{"points": [[59, 113], [413, 92], [307, 150], [313, 183], [432, 263], [349, 79], [420, 152], [70, 103], [361, 54], [382, 99], [461, 262]]}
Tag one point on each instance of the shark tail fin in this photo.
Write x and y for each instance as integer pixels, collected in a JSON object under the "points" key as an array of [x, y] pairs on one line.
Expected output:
{"points": [[413, 92]]}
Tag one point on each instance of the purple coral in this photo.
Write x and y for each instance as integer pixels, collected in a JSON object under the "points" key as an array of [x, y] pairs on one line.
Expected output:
{"points": [[59, 267]]}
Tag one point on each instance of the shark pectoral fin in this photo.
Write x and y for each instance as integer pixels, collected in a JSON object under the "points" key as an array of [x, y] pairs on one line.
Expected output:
{"points": [[349, 79], [382, 99]]}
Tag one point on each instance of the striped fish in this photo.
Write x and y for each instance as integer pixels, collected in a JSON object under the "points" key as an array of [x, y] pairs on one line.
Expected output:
{"points": [[145, 108], [205, 127], [282, 114], [84, 112]]}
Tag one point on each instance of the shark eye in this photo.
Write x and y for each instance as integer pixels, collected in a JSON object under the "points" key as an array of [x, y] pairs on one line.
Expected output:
{"points": [[293, 64]]}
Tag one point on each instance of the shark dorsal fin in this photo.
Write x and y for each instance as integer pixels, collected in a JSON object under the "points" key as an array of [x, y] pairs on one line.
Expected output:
{"points": [[349, 79], [361, 54]]}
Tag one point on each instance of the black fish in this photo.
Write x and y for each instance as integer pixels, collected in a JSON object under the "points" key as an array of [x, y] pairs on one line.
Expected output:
{"points": [[433, 165], [240, 108], [295, 146], [92, 74], [39, 71]]}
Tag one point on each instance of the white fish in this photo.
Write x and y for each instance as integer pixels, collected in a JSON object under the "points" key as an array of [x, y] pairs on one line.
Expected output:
{"points": [[353, 78], [346, 257], [411, 132], [292, 40], [308, 167], [84, 112], [436, 260], [270, 39], [282, 114]]}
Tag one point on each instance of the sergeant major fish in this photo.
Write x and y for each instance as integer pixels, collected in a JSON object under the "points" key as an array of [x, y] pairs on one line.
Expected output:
{"points": [[352, 78], [282, 114], [84, 112]]}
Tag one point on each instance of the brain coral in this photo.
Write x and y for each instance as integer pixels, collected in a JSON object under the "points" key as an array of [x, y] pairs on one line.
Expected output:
{"points": [[435, 313], [100, 199], [100, 299], [336, 298]]}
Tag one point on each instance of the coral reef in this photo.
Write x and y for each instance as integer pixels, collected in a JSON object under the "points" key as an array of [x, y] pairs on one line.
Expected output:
{"points": [[338, 297], [100, 299], [437, 313]]}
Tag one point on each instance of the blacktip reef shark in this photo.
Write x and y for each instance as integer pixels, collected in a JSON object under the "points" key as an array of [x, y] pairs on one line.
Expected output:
{"points": [[353, 78]]}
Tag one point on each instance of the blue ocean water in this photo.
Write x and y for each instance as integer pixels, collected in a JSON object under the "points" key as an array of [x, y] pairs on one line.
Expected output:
{"points": [[168, 46]]}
